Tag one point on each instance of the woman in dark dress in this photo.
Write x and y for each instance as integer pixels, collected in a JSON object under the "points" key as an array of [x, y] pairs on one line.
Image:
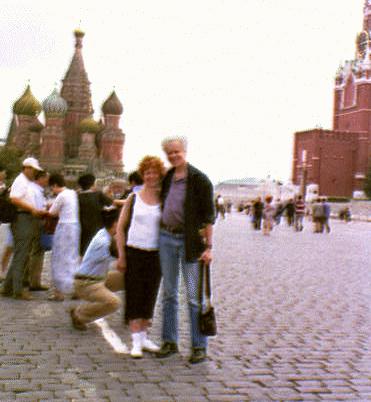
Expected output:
{"points": [[91, 204]]}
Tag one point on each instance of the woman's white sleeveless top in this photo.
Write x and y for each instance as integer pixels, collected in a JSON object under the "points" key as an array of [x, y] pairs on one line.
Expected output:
{"points": [[145, 225]]}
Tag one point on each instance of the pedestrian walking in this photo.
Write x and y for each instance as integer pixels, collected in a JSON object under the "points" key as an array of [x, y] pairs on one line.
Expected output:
{"points": [[257, 213], [65, 251], [138, 244], [219, 206], [290, 212], [24, 228], [326, 215], [317, 216], [188, 206], [299, 213], [279, 208], [93, 281], [268, 215]]}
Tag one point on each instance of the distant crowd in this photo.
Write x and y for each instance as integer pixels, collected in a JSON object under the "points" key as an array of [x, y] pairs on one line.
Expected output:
{"points": [[265, 214]]}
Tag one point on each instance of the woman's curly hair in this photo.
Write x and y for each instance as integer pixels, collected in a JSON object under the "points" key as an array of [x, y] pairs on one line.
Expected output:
{"points": [[151, 162]]}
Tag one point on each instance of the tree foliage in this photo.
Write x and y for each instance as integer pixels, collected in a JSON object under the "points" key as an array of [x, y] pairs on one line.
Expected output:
{"points": [[11, 160]]}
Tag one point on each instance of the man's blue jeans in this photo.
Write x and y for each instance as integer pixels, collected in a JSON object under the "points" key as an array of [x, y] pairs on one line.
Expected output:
{"points": [[172, 257]]}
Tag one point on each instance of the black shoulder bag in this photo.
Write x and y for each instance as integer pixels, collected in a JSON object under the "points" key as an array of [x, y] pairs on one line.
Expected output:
{"points": [[207, 315]]}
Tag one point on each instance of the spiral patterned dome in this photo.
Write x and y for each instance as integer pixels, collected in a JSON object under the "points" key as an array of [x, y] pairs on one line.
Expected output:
{"points": [[27, 104], [112, 105], [89, 125], [54, 105]]}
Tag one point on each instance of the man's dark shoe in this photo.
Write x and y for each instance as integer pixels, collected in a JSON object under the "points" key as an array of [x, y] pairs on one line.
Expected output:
{"points": [[198, 355], [167, 349], [5, 293], [40, 288], [77, 324], [24, 295]]}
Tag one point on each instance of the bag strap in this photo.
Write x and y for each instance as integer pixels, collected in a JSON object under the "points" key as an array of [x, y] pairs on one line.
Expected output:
{"points": [[205, 278], [130, 212]]}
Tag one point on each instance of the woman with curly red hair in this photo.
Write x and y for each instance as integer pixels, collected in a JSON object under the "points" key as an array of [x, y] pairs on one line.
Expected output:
{"points": [[137, 243]]}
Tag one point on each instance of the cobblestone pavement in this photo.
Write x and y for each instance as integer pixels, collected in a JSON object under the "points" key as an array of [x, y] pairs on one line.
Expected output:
{"points": [[294, 324]]}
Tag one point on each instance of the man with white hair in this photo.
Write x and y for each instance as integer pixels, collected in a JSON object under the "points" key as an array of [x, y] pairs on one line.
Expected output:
{"points": [[187, 208], [24, 228]]}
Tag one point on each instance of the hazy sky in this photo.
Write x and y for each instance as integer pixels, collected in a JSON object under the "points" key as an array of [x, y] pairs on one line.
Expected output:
{"points": [[237, 77]]}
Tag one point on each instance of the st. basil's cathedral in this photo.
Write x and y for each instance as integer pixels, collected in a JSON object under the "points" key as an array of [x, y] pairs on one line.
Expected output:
{"points": [[71, 141], [337, 160]]}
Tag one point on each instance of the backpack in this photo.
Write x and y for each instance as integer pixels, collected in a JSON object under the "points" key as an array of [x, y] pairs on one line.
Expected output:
{"points": [[8, 211]]}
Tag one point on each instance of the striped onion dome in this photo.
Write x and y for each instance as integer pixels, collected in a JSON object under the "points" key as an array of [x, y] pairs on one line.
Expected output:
{"points": [[89, 125], [27, 104], [112, 105], [54, 105]]}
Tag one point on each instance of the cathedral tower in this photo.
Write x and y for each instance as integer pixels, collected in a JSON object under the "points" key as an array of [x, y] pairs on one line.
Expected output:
{"points": [[25, 123], [52, 137], [76, 91], [112, 138]]}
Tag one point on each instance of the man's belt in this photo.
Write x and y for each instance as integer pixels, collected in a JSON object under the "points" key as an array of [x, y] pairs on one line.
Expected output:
{"points": [[89, 278], [172, 229]]}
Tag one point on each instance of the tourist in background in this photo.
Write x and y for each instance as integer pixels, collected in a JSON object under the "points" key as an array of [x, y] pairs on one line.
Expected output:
{"points": [[66, 241], [24, 228], [268, 215], [257, 213], [137, 244], [36, 259], [188, 206], [8, 246], [279, 209], [219, 206], [299, 213], [290, 211], [91, 204], [326, 214], [317, 216]]}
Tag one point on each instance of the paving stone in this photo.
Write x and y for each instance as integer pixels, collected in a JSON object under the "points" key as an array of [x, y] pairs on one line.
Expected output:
{"points": [[292, 326]]}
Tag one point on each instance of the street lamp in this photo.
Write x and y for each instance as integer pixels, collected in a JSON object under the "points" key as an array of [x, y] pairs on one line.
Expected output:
{"points": [[304, 174]]}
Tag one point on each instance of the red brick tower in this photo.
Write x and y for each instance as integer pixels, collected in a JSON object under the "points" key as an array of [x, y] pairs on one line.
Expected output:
{"points": [[112, 138], [76, 91], [338, 159], [52, 137]]}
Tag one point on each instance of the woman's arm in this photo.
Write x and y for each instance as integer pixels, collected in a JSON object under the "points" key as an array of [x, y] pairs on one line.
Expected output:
{"points": [[121, 234]]}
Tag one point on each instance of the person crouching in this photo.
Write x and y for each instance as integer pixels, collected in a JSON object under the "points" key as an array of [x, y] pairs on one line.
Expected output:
{"points": [[93, 280]]}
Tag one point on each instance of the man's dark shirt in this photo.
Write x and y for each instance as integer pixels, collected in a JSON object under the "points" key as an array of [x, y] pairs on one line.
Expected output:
{"points": [[198, 208], [91, 204]]}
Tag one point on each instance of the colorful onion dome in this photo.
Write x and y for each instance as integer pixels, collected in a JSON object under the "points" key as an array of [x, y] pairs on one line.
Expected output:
{"points": [[27, 104], [54, 105], [89, 125], [36, 127], [112, 105], [79, 33]]}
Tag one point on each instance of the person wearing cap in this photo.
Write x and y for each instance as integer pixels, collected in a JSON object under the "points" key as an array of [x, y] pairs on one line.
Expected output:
{"points": [[24, 228]]}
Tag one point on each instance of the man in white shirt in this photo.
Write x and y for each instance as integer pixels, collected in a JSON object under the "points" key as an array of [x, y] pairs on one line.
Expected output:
{"points": [[24, 228], [36, 260]]}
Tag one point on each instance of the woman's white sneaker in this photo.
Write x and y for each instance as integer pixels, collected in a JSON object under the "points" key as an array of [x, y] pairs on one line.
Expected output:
{"points": [[149, 346], [136, 351]]}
